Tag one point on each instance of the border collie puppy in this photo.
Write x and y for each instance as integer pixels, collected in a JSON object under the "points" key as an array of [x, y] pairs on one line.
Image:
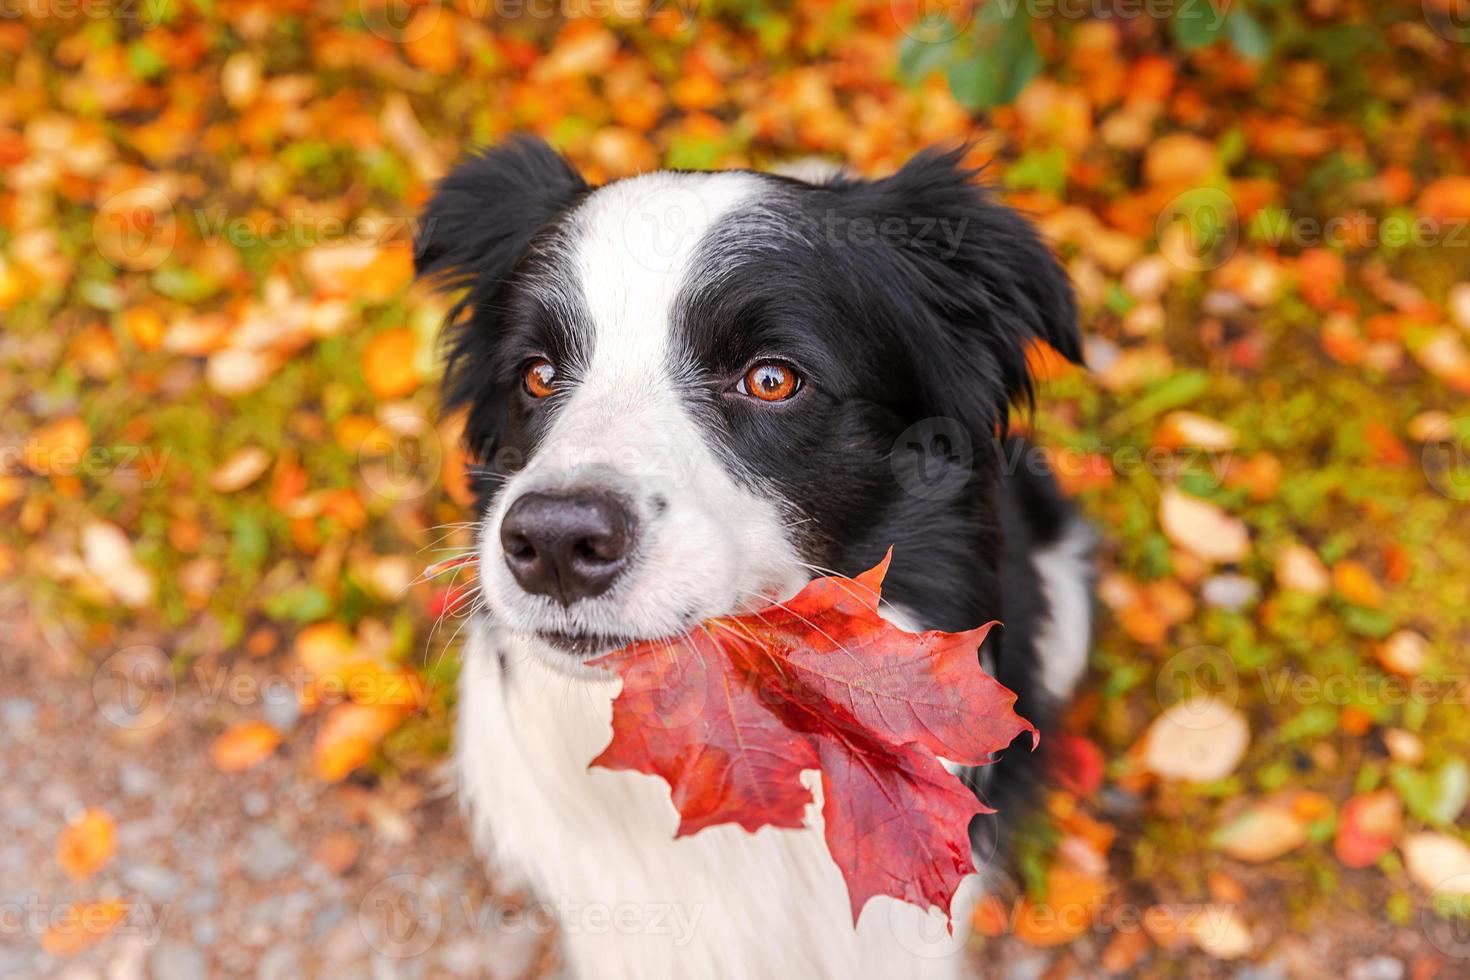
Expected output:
{"points": [[691, 393]]}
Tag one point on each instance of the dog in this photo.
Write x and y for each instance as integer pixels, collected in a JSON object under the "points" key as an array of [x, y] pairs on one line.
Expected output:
{"points": [[688, 394]]}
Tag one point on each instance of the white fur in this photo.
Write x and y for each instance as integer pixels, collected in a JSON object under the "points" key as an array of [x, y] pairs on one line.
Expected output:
{"points": [[811, 170], [1062, 642]]}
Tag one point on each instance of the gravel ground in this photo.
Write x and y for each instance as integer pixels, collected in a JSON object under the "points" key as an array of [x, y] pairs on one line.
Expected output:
{"points": [[268, 873]]}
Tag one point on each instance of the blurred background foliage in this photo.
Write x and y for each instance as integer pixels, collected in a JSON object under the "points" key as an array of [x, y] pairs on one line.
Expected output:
{"points": [[218, 387]]}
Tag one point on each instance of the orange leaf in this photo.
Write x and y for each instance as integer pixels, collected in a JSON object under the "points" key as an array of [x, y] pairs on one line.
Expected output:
{"points": [[991, 917], [1177, 159], [1342, 341], [1080, 472], [1190, 429], [1073, 899], [350, 735], [57, 448], [75, 928], [390, 271], [1150, 79], [455, 461], [1045, 364], [1356, 584], [1125, 951], [388, 363], [244, 746], [698, 90], [431, 39], [1446, 199], [340, 668], [1367, 828], [1321, 275], [87, 844], [1386, 446]]}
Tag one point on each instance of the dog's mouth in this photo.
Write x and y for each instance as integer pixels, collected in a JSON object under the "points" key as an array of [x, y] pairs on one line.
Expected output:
{"points": [[585, 645]]}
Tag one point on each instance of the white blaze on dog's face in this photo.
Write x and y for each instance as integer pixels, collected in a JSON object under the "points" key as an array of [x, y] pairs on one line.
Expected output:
{"points": [[691, 392], [622, 455]]}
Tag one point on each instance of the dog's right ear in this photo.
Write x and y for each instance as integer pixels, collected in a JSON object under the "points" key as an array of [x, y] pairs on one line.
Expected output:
{"points": [[484, 214]]}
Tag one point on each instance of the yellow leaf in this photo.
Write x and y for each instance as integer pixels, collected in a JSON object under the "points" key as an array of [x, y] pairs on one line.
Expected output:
{"points": [[242, 468], [431, 40], [108, 554], [56, 449], [145, 326], [388, 363], [1356, 584], [350, 735], [341, 669], [87, 844]]}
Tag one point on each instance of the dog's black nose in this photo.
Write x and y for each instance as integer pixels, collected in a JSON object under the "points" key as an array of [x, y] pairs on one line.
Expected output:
{"points": [[567, 546]]}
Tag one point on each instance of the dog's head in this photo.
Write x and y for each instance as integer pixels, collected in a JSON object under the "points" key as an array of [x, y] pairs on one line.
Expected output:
{"points": [[693, 392]]}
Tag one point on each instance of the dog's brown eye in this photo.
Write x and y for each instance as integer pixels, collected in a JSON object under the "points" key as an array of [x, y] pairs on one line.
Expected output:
{"points": [[539, 376], [770, 381]]}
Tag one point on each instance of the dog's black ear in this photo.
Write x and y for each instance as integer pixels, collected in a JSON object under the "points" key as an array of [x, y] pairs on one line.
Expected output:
{"points": [[478, 225], [982, 269], [484, 214]]}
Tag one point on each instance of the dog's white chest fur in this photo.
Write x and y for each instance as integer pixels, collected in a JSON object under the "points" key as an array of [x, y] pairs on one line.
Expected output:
{"points": [[598, 848]]}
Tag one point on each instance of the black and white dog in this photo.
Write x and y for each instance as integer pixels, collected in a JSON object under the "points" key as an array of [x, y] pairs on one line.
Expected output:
{"points": [[692, 393]]}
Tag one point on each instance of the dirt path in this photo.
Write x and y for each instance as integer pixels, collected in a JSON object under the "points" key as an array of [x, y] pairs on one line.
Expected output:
{"points": [[273, 874]]}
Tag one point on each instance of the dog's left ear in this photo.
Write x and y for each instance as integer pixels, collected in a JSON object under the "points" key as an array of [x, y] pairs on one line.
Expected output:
{"points": [[984, 273]]}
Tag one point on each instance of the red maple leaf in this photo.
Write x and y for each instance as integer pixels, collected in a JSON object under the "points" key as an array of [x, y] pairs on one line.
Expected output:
{"points": [[730, 714]]}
